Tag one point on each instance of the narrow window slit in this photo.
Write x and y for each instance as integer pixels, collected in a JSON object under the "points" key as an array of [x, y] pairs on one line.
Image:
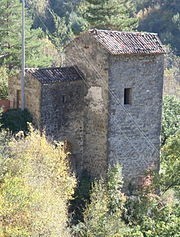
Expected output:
{"points": [[128, 96], [64, 99]]}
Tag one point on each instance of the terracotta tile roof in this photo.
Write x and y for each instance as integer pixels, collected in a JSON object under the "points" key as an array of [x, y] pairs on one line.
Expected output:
{"points": [[51, 75], [117, 42]]}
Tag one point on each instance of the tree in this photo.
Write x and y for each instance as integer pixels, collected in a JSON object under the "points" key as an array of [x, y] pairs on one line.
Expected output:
{"points": [[111, 213], [102, 216], [151, 215], [170, 164], [35, 187], [170, 117], [10, 38], [162, 17], [62, 32], [40, 6], [109, 14]]}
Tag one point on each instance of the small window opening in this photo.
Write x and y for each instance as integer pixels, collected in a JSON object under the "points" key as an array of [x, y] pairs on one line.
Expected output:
{"points": [[128, 96], [64, 99]]}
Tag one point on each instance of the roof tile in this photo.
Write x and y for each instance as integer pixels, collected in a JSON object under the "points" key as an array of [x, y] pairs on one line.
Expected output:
{"points": [[117, 42], [57, 74]]}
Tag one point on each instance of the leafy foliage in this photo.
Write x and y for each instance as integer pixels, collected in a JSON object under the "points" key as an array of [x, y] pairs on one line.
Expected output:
{"points": [[105, 14], [59, 19], [62, 32], [151, 215], [162, 17], [10, 38], [170, 164], [170, 118], [112, 214], [16, 120], [80, 198], [102, 217], [35, 188], [40, 6], [77, 15]]}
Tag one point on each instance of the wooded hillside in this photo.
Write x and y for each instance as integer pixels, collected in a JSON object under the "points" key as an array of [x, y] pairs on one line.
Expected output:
{"points": [[159, 16]]}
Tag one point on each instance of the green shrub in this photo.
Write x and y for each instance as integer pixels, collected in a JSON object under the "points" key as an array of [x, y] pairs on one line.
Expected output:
{"points": [[110, 213], [170, 164], [16, 120], [102, 216], [81, 198], [170, 117], [153, 216]]}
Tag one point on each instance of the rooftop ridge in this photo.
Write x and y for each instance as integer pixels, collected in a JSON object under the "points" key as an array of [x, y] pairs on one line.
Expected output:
{"points": [[121, 42], [48, 68], [128, 32]]}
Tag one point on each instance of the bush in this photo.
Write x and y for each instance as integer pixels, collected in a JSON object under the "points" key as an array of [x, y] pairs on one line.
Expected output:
{"points": [[16, 120], [35, 188], [153, 216], [170, 164], [112, 214], [80, 198], [102, 216], [170, 117]]}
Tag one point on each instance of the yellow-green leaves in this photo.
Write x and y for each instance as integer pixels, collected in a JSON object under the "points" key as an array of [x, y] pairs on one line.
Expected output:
{"points": [[35, 188]]}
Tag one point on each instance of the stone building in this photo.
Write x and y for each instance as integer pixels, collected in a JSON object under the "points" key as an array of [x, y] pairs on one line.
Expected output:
{"points": [[106, 101]]}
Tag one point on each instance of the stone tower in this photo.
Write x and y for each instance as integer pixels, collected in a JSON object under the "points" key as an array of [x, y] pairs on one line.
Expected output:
{"points": [[106, 101], [123, 74]]}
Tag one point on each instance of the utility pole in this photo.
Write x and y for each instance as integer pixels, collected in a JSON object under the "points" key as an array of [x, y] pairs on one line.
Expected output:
{"points": [[23, 57]]}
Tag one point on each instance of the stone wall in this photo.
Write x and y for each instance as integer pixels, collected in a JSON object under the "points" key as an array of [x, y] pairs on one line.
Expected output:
{"points": [[62, 112], [13, 87], [32, 95], [33, 98], [134, 129], [92, 60]]}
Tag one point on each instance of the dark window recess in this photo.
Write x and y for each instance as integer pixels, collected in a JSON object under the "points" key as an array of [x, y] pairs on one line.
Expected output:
{"points": [[18, 99], [64, 99], [128, 96]]}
